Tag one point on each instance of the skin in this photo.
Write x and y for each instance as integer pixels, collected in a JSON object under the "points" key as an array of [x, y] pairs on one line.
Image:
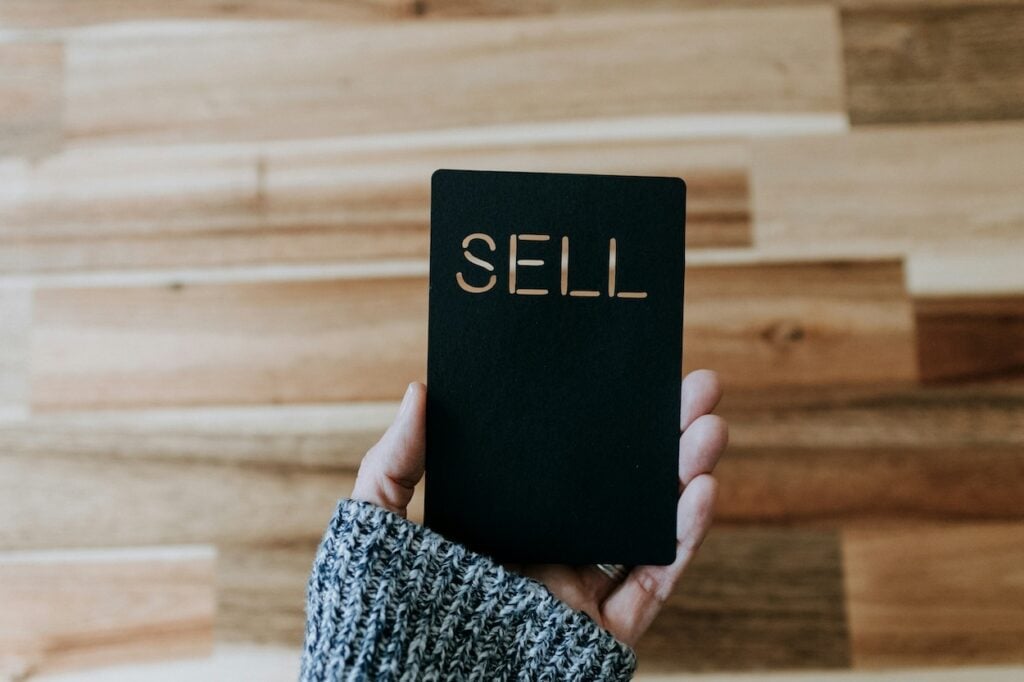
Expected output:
{"points": [[391, 469]]}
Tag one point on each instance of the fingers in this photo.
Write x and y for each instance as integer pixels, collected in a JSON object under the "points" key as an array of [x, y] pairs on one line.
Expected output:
{"points": [[700, 447], [630, 609], [391, 469], [701, 392]]}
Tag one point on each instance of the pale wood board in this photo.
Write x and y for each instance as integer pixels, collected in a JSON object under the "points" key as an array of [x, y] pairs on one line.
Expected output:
{"points": [[69, 609], [935, 595], [31, 81], [329, 200], [236, 81], [891, 190], [15, 323], [780, 324]]}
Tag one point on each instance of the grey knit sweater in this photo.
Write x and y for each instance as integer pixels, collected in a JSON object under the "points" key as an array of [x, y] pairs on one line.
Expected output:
{"points": [[391, 600]]}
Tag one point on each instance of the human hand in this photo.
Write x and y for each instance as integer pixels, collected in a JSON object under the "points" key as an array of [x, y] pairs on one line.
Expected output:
{"points": [[392, 468]]}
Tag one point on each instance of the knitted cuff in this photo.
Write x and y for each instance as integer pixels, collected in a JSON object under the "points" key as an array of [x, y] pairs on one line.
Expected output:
{"points": [[389, 599]]}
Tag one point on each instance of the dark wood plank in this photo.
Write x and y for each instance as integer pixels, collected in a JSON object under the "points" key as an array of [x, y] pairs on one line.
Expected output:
{"points": [[754, 598], [926, 64], [861, 454], [970, 338], [31, 82], [935, 595]]}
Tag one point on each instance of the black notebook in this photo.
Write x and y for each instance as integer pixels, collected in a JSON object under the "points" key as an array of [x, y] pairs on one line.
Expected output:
{"points": [[554, 362]]}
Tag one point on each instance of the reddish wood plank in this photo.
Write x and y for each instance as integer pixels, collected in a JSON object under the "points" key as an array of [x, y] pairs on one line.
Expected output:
{"points": [[970, 338]]}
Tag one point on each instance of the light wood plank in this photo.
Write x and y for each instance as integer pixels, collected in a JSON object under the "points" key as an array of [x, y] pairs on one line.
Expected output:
{"points": [[247, 343], [31, 82], [327, 201], [236, 82], [785, 324], [970, 338], [15, 322], [73, 609], [935, 595], [887, 190], [926, 64]]}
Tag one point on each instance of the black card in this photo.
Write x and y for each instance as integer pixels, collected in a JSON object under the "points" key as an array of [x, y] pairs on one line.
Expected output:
{"points": [[554, 360]]}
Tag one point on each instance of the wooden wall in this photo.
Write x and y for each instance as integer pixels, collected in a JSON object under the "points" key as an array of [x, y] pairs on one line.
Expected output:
{"points": [[213, 231]]}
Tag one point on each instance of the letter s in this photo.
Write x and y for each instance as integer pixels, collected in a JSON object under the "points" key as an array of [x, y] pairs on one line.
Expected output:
{"points": [[477, 261]]}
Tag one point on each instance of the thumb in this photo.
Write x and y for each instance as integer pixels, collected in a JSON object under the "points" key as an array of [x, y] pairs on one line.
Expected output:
{"points": [[391, 469]]}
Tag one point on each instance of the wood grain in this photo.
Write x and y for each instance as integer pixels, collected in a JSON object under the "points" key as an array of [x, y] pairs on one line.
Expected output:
{"points": [[798, 324], [125, 496], [238, 82], [753, 599], [891, 190], [72, 609], [935, 595], [15, 323], [858, 455], [274, 342], [970, 338], [364, 339], [926, 64], [31, 81], [328, 201]]}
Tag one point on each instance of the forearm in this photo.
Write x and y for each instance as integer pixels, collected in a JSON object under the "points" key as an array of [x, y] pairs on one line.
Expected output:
{"points": [[390, 599]]}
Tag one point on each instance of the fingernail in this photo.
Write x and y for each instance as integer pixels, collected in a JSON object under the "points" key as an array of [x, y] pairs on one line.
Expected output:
{"points": [[406, 401]]}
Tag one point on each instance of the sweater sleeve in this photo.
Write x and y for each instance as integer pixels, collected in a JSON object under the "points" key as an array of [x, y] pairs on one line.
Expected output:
{"points": [[392, 600]]}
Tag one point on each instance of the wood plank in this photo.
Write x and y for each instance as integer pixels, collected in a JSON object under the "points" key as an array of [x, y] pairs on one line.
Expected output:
{"points": [[970, 338], [63, 14], [799, 323], [239, 82], [328, 201], [161, 496], [74, 609], [785, 324], [31, 82], [271, 342], [929, 64], [935, 595], [15, 322], [754, 599], [885, 190], [858, 455]]}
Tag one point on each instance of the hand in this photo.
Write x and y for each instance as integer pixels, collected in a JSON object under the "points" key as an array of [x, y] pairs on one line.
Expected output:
{"points": [[392, 468]]}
